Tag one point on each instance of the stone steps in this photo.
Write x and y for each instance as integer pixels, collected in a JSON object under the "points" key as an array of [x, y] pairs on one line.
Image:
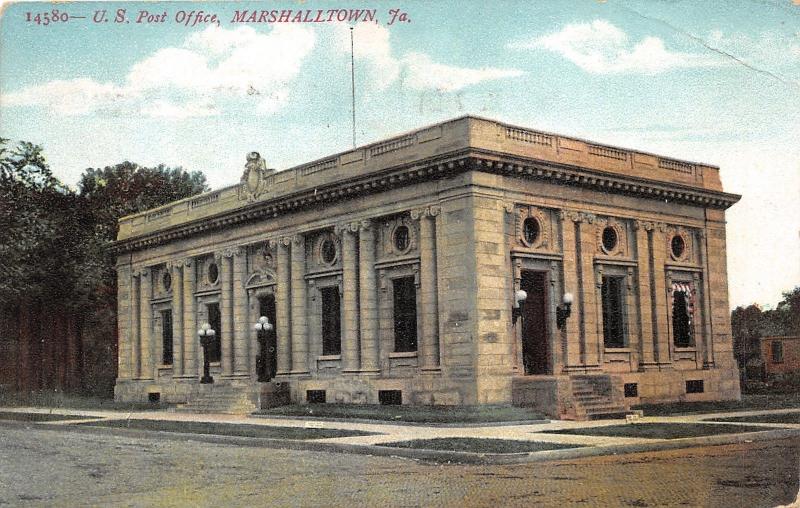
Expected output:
{"points": [[219, 398], [593, 397]]}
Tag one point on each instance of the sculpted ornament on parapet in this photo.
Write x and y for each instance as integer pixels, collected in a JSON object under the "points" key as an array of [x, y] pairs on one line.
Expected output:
{"points": [[253, 181]]}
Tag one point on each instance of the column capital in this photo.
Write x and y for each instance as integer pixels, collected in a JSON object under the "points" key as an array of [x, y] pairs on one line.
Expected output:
{"points": [[576, 216], [366, 224], [141, 272], [188, 262], [232, 251], [297, 240], [426, 211], [347, 227]]}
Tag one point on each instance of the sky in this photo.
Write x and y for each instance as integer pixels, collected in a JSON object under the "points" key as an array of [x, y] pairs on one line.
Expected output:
{"points": [[715, 82]]}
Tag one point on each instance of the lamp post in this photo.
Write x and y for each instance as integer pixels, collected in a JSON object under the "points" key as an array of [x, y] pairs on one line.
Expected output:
{"points": [[262, 327], [564, 310], [206, 334], [516, 307]]}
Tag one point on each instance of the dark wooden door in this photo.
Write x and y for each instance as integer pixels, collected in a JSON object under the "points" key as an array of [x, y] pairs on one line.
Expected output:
{"points": [[267, 362], [535, 347]]}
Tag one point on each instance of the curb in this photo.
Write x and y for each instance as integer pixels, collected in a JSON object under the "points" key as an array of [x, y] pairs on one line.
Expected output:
{"points": [[399, 423], [437, 456]]}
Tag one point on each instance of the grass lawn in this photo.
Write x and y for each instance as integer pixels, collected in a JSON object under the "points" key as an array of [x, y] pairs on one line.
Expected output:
{"points": [[778, 418], [477, 445], [38, 417], [659, 430], [749, 402], [226, 429], [61, 400], [415, 414]]}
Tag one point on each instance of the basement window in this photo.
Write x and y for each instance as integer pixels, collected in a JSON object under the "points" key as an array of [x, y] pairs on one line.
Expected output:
{"points": [[390, 397], [694, 386], [631, 390], [315, 396]]}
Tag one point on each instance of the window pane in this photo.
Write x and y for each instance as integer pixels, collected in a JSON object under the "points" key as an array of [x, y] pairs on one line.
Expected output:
{"points": [[331, 322], [681, 319], [405, 315], [166, 337], [613, 313], [215, 320]]}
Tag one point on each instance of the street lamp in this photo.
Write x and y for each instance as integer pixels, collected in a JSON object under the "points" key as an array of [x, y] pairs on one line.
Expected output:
{"points": [[564, 310], [262, 327], [206, 334], [516, 307]]}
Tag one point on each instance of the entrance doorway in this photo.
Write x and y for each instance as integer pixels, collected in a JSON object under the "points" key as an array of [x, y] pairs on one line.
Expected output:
{"points": [[267, 359], [535, 347]]}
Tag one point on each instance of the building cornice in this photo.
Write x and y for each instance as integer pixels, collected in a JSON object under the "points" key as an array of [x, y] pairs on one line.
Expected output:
{"points": [[448, 164]]}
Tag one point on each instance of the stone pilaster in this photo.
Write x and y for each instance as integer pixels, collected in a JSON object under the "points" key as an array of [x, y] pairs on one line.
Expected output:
{"points": [[190, 337], [703, 301], [136, 325], [571, 336], [299, 308], [644, 294], [226, 310], [350, 313], [368, 300], [429, 301], [661, 310], [178, 340], [591, 337], [241, 338], [146, 330], [283, 305], [124, 328]]}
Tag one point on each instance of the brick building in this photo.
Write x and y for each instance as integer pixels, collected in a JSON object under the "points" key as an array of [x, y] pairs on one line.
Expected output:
{"points": [[780, 355], [392, 272]]}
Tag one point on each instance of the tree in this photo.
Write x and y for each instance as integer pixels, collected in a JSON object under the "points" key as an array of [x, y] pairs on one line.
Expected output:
{"points": [[746, 324], [58, 290]]}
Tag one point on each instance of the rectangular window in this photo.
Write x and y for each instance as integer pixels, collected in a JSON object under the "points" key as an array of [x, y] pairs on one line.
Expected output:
{"points": [[682, 310], [777, 351], [694, 386], [331, 321], [215, 320], [166, 337], [405, 314], [613, 312]]}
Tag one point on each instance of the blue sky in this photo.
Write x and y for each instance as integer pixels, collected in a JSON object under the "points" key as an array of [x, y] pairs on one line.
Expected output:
{"points": [[717, 82]]}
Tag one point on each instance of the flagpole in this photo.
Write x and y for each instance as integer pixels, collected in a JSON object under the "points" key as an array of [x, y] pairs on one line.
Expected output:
{"points": [[353, 85]]}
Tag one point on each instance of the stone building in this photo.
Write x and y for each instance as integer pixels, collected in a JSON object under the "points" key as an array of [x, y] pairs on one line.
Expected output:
{"points": [[780, 355], [391, 273]]}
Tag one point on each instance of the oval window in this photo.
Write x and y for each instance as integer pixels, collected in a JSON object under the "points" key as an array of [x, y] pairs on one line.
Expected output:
{"points": [[328, 251], [678, 246], [610, 239], [166, 281], [213, 273], [530, 230], [401, 238]]}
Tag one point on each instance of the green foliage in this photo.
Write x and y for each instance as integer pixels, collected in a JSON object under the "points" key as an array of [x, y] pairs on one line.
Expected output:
{"points": [[54, 247], [749, 324]]}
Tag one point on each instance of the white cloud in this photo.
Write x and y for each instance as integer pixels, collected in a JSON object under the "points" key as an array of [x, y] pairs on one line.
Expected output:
{"points": [[601, 48], [182, 82], [418, 70], [423, 73]]}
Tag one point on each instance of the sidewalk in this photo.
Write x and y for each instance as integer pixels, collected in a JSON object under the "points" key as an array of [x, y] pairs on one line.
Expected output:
{"points": [[381, 433]]}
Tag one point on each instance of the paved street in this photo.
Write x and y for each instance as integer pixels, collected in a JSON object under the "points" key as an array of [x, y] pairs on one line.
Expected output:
{"points": [[65, 468]]}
